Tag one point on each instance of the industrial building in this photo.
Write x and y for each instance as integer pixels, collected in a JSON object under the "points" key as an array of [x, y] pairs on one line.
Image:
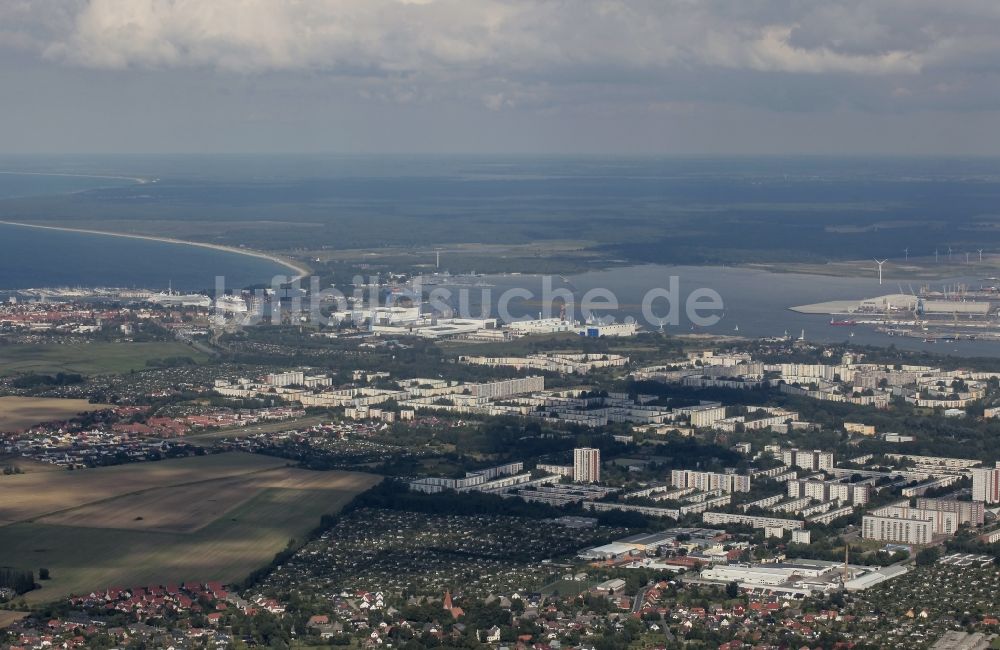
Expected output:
{"points": [[597, 330], [540, 326], [767, 575]]}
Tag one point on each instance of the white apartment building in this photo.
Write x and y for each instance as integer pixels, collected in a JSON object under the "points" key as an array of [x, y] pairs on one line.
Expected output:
{"points": [[707, 481], [558, 470], [853, 493], [906, 525], [986, 484], [483, 479], [586, 465], [704, 415], [508, 387], [893, 529], [969, 512], [750, 520], [937, 462], [815, 459], [280, 379]]}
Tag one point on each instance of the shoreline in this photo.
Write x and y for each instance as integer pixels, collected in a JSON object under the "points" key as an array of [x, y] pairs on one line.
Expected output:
{"points": [[300, 270]]}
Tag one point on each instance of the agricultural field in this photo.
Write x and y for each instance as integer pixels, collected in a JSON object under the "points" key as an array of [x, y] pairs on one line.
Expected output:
{"points": [[33, 495], [89, 358], [192, 507], [204, 518], [8, 617], [27, 465], [21, 412]]}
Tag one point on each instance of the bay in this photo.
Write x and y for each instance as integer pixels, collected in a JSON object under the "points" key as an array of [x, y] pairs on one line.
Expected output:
{"points": [[35, 257]]}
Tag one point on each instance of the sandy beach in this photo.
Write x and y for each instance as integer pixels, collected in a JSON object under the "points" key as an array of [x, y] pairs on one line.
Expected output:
{"points": [[300, 270]]}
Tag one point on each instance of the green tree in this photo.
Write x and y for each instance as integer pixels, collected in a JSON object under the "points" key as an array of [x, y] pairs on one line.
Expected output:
{"points": [[928, 556]]}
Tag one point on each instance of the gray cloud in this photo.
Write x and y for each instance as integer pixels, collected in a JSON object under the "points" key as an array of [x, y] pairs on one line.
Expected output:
{"points": [[435, 36], [583, 61]]}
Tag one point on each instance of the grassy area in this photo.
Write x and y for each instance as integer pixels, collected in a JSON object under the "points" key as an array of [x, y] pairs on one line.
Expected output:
{"points": [[21, 412], [89, 358], [211, 437], [568, 587], [914, 268], [149, 535]]}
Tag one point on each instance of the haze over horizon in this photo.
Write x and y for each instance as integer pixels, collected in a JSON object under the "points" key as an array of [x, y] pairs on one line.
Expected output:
{"points": [[495, 76]]}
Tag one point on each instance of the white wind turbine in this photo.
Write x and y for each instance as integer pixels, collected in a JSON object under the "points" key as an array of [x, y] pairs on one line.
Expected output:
{"points": [[880, 263], [980, 254]]}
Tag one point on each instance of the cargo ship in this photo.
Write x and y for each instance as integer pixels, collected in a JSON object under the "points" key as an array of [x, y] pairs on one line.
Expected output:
{"points": [[843, 323]]}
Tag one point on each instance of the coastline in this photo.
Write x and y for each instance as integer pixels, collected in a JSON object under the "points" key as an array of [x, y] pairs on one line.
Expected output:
{"points": [[300, 269]]}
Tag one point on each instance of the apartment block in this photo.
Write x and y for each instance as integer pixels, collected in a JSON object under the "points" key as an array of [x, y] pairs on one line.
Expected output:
{"points": [[706, 481], [586, 465], [906, 525], [986, 484], [969, 512], [852, 493], [750, 520], [815, 460]]}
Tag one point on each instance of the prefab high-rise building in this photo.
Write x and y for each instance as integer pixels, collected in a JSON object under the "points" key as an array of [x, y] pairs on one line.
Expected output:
{"points": [[587, 465], [986, 484]]}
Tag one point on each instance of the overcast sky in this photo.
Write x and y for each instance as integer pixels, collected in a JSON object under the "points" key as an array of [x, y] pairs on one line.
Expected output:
{"points": [[562, 76]]}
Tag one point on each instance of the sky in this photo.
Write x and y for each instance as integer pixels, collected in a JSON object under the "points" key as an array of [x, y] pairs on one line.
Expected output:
{"points": [[501, 76]]}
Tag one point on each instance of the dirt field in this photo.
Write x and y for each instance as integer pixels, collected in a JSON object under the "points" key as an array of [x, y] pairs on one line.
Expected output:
{"points": [[33, 495], [26, 465], [188, 508], [20, 412], [6, 617], [204, 518]]}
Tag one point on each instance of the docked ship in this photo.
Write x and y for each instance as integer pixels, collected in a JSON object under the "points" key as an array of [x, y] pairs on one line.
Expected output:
{"points": [[843, 323]]}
